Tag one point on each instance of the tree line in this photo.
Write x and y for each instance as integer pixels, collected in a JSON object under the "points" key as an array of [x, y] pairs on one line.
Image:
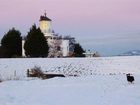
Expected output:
{"points": [[35, 44]]}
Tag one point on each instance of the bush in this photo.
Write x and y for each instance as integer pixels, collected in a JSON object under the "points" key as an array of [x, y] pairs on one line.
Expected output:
{"points": [[35, 72]]}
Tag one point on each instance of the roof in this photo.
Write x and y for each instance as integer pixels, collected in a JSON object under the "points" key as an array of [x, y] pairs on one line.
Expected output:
{"points": [[44, 18]]}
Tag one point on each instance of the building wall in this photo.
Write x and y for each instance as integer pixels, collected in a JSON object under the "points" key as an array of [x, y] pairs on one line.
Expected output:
{"points": [[65, 47], [23, 51]]}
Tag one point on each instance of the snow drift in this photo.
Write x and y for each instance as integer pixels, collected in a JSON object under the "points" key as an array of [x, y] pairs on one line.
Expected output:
{"points": [[101, 81]]}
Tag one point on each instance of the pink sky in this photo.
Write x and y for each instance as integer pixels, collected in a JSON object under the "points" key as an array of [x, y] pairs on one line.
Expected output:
{"points": [[93, 11], [75, 17]]}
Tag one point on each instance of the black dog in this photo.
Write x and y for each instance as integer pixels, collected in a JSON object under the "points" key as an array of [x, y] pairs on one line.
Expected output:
{"points": [[130, 78]]}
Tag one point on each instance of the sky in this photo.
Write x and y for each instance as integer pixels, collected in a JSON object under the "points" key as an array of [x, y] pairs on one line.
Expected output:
{"points": [[110, 27]]}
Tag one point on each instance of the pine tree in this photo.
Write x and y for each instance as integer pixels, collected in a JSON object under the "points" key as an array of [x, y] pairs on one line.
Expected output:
{"points": [[11, 44], [78, 50], [35, 43]]}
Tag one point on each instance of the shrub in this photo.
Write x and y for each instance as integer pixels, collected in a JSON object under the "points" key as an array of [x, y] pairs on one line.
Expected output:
{"points": [[35, 72]]}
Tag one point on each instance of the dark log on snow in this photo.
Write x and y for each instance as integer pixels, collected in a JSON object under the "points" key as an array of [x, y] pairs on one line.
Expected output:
{"points": [[40, 74]]}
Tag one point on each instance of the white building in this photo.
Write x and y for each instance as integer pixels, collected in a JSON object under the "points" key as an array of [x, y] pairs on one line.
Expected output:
{"points": [[92, 54], [65, 47], [23, 51], [58, 46]]}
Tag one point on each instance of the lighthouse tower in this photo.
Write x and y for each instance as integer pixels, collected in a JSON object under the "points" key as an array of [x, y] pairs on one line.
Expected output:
{"points": [[45, 25]]}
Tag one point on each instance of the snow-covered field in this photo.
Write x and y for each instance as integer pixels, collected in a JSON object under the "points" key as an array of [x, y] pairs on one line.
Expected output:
{"points": [[9, 68], [91, 90], [101, 81]]}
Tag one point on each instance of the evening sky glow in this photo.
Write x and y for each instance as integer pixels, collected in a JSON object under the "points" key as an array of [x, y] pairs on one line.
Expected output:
{"points": [[107, 26]]}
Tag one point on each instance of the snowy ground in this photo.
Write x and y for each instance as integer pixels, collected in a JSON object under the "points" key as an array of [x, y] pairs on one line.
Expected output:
{"points": [[9, 68], [91, 90], [101, 81]]}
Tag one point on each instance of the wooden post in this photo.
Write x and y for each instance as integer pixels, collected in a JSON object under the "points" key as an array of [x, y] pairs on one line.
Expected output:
{"points": [[28, 73]]}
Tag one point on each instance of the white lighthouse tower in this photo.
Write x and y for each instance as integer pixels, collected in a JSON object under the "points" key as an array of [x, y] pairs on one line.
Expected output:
{"points": [[58, 45], [45, 25]]}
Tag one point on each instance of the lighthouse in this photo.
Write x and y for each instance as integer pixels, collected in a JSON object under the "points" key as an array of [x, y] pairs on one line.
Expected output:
{"points": [[45, 24], [58, 46]]}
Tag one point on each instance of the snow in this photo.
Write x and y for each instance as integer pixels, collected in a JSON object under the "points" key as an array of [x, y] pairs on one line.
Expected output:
{"points": [[9, 68], [91, 90], [101, 81]]}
